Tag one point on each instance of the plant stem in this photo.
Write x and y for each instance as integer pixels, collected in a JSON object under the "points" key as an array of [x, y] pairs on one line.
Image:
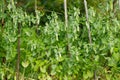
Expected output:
{"points": [[66, 16], [114, 4], [87, 22], [119, 4], [2, 31], [37, 17], [89, 33], [18, 52], [66, 26]]}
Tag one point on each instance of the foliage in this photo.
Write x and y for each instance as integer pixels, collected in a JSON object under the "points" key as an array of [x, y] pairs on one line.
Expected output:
{"points": [[43, 48]]}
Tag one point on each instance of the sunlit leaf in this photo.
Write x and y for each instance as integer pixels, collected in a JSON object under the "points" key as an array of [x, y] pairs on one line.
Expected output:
{"points": [[25, 64]]}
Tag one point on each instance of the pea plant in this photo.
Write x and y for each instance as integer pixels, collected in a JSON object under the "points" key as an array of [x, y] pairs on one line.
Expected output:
{"points": [[31, 51]]}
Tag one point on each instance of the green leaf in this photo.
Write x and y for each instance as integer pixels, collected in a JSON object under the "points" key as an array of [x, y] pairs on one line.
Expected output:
{"points": [[111, 62], [108, 77], [116, 56], [89, 74], [53, 72], [96, 58], [25, 64], [85, 76], [43, 69]]}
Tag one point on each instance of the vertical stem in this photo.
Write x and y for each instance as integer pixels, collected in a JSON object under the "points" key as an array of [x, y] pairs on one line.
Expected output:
{"points": [[89, 32], [18, 52], [66, 16], [37, 17], [3, 10], [87, 22], [2, 31], [35, 5], [114, 4], [2, 21], [66, 26], [119, 3]]}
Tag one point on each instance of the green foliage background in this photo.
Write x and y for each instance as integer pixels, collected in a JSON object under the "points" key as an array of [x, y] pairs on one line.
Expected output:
{"points": [[44, 55]]}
